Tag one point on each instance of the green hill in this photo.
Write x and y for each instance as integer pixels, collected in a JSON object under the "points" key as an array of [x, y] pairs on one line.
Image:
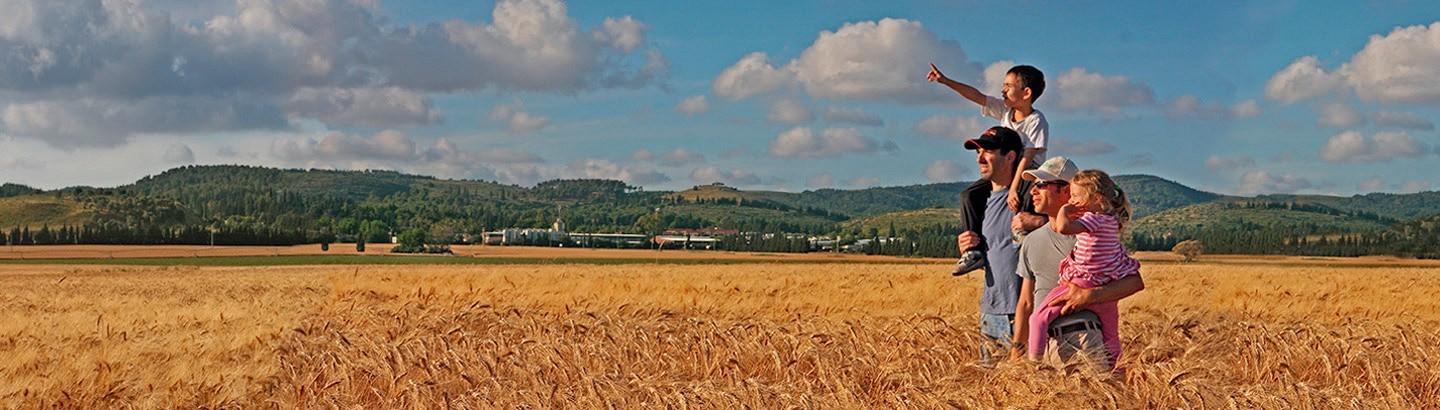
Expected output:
{"points": [[1151, 194], [1398, 206], [904, 221], [35, 211]]}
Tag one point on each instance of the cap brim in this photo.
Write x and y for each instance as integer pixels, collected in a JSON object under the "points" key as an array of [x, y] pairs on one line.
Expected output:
{"points": [[1035, 174], [973, 144]]}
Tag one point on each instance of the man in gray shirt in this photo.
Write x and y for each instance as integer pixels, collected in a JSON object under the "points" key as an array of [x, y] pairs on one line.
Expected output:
{"points": [[1039, 268]]}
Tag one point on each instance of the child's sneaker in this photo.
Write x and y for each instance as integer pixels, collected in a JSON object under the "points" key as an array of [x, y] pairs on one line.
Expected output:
{"points": [[969, 261]]}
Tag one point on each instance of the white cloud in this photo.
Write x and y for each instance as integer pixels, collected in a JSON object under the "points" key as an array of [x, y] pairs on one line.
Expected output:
{"points": [[955, 128], [1303, 79], [1069, 147], [179, 154], [943, 171], [1352, 147], [1222, 164], [375, 107], [790, 111], [1263, 182], [680, 157], [824, 180], [711, 174], [693, 105], [1371, 185], [1400, 67], [879, 60], [864, 182], [517, 121], [384, 145], [1079, 90], [1340, 115], [625, 33], [752, 75], [1406, 120], [1245, 109], [995, 76], [803, 143], [98, 73], [840, 115], [1414, 186]]}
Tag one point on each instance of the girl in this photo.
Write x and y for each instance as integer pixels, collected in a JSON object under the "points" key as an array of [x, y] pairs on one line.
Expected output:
{"points": [[1096, 213]]}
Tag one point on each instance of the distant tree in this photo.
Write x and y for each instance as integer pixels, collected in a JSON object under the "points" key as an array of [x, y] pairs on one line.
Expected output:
{"points": [[1189, 249]]}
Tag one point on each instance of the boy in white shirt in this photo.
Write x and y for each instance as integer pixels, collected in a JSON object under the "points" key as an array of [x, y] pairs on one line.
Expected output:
{"points": [[1016, 110]]}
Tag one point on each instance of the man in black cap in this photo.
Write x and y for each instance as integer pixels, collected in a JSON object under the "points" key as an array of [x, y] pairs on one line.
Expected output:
{"points": [[987, 221]]}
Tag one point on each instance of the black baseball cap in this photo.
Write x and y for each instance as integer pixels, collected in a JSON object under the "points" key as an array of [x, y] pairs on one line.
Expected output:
{"points": [[997, 137]]}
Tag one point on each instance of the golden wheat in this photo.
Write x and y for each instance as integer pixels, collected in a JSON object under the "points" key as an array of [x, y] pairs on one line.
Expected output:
{"points": [[696, 336]]}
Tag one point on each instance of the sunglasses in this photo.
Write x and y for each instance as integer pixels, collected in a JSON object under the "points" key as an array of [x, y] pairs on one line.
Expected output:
{"points": [[1047, 184]]}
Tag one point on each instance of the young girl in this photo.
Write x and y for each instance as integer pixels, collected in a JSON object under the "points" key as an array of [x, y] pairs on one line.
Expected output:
{"points": [[1096, 213]]}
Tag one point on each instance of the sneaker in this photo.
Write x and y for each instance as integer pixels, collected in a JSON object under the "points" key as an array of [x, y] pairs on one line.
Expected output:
{"points": [[971, 260]]}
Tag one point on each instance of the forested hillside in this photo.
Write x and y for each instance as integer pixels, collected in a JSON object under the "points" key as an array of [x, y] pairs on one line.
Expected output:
{"points": [[254, 205]]}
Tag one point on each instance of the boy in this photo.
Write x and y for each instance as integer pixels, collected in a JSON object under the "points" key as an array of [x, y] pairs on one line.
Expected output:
{"points": [[1016, 110]]}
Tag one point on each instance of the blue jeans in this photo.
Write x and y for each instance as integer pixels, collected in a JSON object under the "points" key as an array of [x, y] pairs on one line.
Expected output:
{"points": [[998, 329]]}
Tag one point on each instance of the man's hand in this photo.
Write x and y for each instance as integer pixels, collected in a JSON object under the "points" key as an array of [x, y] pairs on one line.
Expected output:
{"points": [[1026, 221], [935, 76], [1076, 300], [967, 240]]}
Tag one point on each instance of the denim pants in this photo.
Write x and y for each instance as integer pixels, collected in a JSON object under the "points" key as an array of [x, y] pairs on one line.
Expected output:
{"points": [[998, 329]]}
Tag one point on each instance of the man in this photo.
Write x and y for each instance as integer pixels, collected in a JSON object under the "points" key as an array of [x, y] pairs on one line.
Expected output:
{"points": [[1039, 267], [997, 154]]}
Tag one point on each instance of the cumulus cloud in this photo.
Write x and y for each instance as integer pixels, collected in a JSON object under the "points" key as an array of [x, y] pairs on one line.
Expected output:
{"points": [[1340, 115], [856, 62], [1301, 80], [856, 116], [1263, 182], [384, 145], [374, 107], [693, 105], [1191, 106], [1371, 185], [680, 157], [179, 154], [942, 171], [105, 71], [1069, 147], [832, 142], [864, 182], [1352, 147], [1222, 164], [1406, 120], [712, 174], [1411, 187], [517, 121], [1079, 90], [995, 76], [955, 128], [790, 111], [1400, 67], [824, 180]]}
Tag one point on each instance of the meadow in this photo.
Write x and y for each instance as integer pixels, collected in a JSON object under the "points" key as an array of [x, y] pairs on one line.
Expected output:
{"points": [[757, 334]]}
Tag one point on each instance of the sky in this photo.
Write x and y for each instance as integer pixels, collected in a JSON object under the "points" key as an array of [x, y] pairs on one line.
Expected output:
{"points": [[1239, 98]]}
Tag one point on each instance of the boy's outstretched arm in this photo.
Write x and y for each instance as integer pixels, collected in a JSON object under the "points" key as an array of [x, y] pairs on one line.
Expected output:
{"points": [[970, 93]]}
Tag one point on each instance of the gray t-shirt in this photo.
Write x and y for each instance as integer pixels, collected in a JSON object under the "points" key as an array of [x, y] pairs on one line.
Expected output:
{"points": [[1002, 286], [1040, 258]]}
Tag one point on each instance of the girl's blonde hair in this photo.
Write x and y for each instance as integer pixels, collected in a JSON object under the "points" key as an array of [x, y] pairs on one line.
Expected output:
{"points": [[1112, 198]]}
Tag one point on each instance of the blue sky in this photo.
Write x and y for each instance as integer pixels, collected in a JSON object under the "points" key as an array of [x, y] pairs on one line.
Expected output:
{"points": [[1230, 97]]}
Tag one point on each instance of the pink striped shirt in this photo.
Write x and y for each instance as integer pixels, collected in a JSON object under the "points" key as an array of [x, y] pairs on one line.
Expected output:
{"points": [[1098, 258]]}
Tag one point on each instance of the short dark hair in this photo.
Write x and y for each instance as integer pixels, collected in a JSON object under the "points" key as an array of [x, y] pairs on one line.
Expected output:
{"points": [[1013, 144], [1030, 77]]}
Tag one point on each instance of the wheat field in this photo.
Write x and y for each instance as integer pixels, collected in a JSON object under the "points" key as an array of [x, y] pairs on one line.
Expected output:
{"points": [[693, 336]]}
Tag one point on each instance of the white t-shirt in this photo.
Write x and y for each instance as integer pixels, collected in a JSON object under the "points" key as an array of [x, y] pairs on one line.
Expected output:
{"points": [[1034, 130]]}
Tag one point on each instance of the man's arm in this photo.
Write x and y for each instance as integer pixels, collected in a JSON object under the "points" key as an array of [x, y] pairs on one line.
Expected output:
{"points": [[965, 90], [1080, 297], [1023, 308], [1028, 221]]}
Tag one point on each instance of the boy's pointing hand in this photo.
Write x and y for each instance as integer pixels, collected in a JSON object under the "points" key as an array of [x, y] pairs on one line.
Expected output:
{"points": [[934, 74]]}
